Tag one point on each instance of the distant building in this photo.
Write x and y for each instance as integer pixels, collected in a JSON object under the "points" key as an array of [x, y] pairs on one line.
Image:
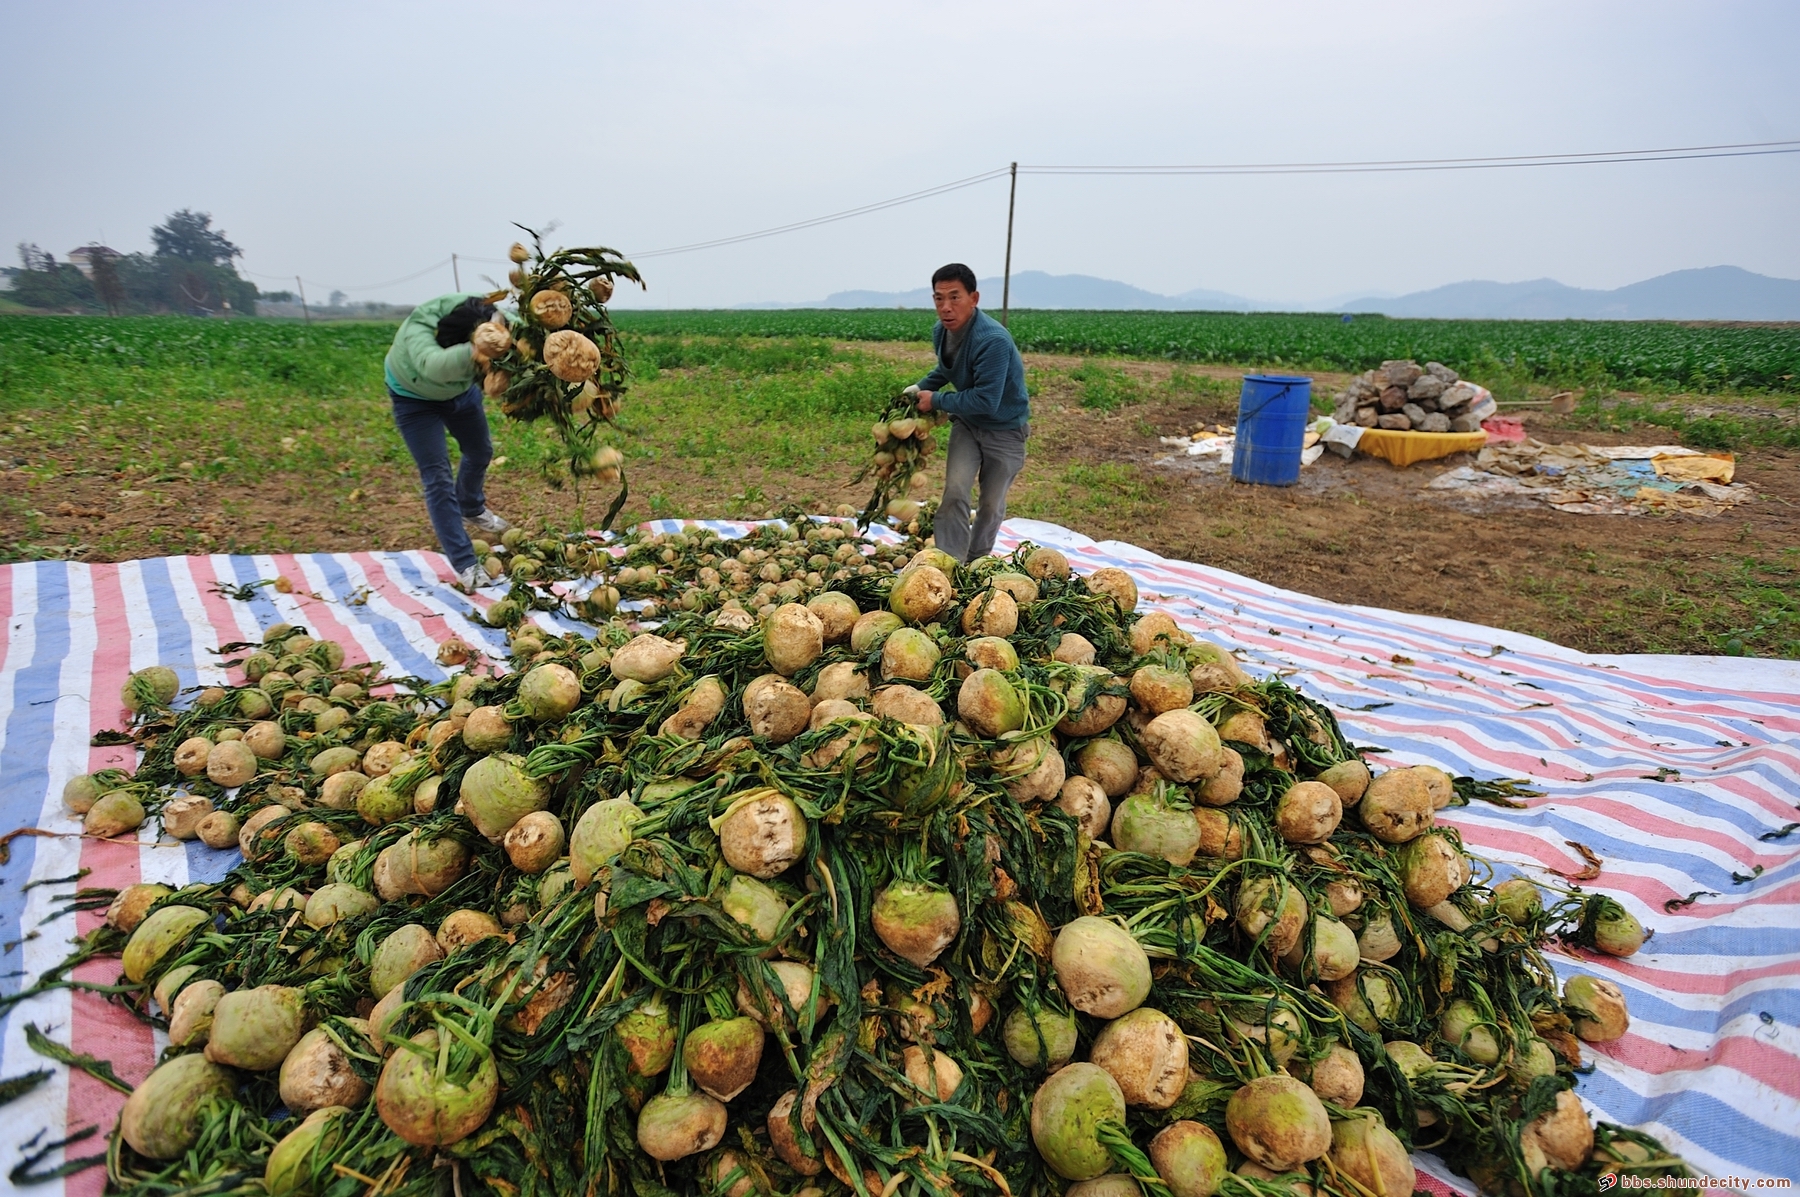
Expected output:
{"points": [[83, 259]]}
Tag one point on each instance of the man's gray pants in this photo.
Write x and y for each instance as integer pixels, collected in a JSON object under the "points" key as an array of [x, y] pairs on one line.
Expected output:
{"points": [[994, 456]]}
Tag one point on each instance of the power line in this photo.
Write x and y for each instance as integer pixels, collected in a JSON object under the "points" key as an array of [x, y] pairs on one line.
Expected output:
{"points": [[846, 214], [1749, 149]]}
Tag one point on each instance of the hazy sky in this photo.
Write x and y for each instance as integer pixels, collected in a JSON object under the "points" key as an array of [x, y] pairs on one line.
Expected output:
{"points": [[357, 143]]}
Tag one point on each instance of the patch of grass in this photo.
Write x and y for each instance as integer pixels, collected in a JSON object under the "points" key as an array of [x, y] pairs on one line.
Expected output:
{"points": [[1699, 426]]}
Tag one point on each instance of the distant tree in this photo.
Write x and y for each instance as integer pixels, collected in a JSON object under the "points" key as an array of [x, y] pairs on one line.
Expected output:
{"points": [[336, 299], [276, 296], [103, 272], [43, 282], [189, 236]]}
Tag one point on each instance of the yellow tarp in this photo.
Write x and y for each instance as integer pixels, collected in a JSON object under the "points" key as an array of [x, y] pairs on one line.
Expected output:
{"points": [[1698, 467], [1405, 448]]}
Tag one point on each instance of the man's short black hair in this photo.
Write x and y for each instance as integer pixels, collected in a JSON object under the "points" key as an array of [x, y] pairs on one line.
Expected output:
{"points": [[457, 326], [955, 272]]}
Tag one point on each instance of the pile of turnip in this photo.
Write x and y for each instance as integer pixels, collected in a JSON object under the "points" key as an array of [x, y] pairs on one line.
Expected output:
{"points": [[962, 879], [905, 439]]}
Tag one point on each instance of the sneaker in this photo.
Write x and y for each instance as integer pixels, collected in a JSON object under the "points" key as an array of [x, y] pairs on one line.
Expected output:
{"points": [[488, 523], [472, 579]]}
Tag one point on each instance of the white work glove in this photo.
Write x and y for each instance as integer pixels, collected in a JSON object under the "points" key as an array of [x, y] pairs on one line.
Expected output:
{"points": [[910, 391]]}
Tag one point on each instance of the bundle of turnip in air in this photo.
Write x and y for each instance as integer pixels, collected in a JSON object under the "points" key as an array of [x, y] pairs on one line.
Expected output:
{"points": [[904, 442], [970, 878], [560, 357]]}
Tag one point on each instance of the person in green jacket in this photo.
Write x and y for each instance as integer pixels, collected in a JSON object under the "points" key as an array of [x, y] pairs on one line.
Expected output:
{"points": [[432, 371]]}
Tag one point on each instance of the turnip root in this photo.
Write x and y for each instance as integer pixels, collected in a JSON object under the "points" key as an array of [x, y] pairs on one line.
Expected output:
{"points": [[1366, 1151], [428, 1108], [190, 757], [1157, 689], [1274, 905], [1189, 1158], [786, 1140], [254, 1029], [1031, 770], [775, 708], [1149, 824], [722, 1055], [1463, 1026], [1349, 778], [916, 921], [991, 613], [230, 764], [1212, 669], [1334, 953], [933, 1073], [549, 691], [317, 1073], [603, 831], [1157, 630], [487, 730], [920, 594], [1183, 746], [1083, 800], [1397, 806], [1598, 1008], [162, 1118], [535, 842], [1147, 1054], [989, 704], [907, 705], [1073, 648], [1091, 709], [762, 834], [1278, 1122], [793, 638], [1431, 868], [1338, 1077], [461, 928], [755, 905], [991, 652], [1109, 764], [190, 1021], [1221, 838], [1227, 785], [1561, 1138], [909, 655], [1101, 968], [1044, 1040], [1308, 813], [843, 680], [1065, 1114], [872, 629], [404, 952], [837, 613]]}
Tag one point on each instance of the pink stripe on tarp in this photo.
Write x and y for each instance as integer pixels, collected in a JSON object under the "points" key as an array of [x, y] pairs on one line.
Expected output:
{"points": [[220, 618], [96, 1025], [321, 620], [1743, 1054]]}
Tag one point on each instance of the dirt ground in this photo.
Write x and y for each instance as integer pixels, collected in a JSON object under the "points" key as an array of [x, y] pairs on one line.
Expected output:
{"points": [[1357, 531]]}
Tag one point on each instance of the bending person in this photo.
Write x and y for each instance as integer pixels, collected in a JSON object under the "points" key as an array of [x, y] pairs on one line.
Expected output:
{"points": [[432, 372]]}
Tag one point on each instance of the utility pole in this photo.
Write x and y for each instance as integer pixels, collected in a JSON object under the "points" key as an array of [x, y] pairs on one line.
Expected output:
{"points": [[1012, 196], [303, 308], [455, 273]]}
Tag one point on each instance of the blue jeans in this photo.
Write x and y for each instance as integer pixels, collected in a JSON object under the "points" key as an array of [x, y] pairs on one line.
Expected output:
{"points": [[992, 456], [423, 423]]}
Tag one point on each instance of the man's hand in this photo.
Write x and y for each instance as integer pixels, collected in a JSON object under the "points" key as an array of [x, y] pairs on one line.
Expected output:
{"points": [[924, 400]]}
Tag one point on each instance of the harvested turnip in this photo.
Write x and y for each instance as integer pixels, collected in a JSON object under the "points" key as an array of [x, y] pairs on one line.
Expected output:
{"points": [[648, 1036], [341, 790], [920, 593], [1091, 709], [991, 652], [603, 831], [497, 792], [289, 1170], [1157, 630], [907, 705], [796, 985], [915, 920], [872, 629], [843, 680], [487, 730], [1278, 1122], [385, 757], [1066, 1113], [722, 1055], [230, 764], [1518, 899], [132, 903], [332, 903], [1100, 967], [933, 1073], [1157, 689], [549, 691], [1085, 801], [1349, 778], [1183, 746], [909, 655], [1617, 931], [673, 1126], [163, 1117], [317, 1073], [793, 638], [404, 952], [1379, 938], [775, 708], [1273, 909], [1561, 1138], [1147, 1054], [989, 704], [1598, 1008], [1367, 999], [837, 613], [1333, 955], [1110, 764], [755, 905], [1366, 1151], [1213, 669], [784, 1136], [461, 928], [191, 1018], [762, 834], [1152, 825], [1221, 837], [266, 740], [535, 842], [1189, 1158], [190, 756], [1308, 812], [1463, 1026], [1397, 806], [429, 1107], [1438, 783], [254, 1029], [1337, 1077], [161, 931], [991, 613], [647, 658], [1431, 869], [1074, 649], [1031, 770], [1044, 1040]]}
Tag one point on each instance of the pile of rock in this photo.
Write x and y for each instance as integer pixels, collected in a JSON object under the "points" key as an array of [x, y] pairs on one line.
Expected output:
{"points": [[1403, 395]]}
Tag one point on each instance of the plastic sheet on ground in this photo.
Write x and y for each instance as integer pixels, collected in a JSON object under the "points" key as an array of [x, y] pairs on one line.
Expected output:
{"points": [[1410, 448], [1603, 479], [1681, 773]]}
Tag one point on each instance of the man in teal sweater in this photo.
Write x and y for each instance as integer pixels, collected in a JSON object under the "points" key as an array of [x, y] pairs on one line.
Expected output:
{"points": [[432, 373], [989, 409]]}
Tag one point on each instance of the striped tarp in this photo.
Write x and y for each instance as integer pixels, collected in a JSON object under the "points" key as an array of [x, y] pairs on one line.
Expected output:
{"points": [[1678, 772]]}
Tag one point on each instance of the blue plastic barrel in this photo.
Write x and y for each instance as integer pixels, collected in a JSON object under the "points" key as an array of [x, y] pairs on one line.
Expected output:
{"points": [[1273, 412]]}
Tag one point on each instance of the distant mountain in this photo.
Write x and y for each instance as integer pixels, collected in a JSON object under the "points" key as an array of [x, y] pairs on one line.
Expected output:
{"points": [[1036, 289], [1713, 293]]}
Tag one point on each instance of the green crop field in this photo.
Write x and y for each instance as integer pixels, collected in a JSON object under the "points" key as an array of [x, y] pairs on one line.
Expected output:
{"points": [[1640, 355]]}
